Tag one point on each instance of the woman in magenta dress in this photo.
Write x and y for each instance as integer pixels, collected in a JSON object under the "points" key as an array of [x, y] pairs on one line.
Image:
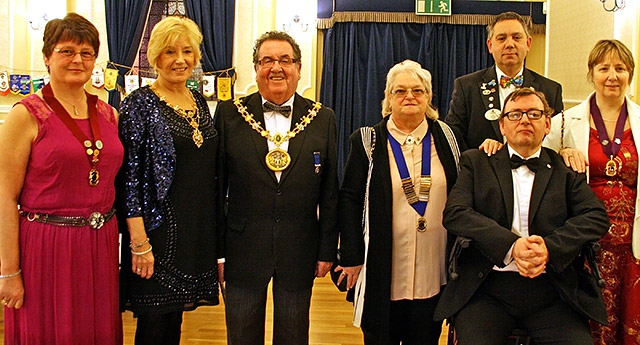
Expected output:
{"points": [[605, 126], [59, 155]]}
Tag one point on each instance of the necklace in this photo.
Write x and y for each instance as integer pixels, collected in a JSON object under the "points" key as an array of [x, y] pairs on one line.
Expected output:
{"points": [[418, 202], [278, 159], [191, 116], [92, 148], [610, 148], [75, 109]]}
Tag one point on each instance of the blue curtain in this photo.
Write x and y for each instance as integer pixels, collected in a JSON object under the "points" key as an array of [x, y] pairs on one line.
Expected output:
{"points": [[357, 57], [126, 20], [216, 21]]}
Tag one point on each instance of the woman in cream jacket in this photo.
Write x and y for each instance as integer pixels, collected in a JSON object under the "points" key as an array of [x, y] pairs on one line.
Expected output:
{"points": [[603, 133]]}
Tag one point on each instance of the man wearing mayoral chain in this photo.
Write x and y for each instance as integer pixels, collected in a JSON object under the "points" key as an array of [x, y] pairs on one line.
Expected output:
{"points": [[278, 163]]}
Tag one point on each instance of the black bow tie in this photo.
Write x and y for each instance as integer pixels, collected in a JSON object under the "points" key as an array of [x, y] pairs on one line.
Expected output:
{"points": [[285, 110], [531, 163]]}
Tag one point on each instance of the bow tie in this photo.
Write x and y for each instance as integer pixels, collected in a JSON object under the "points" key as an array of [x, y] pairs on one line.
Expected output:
{"points": [[506, 81], [531, 163], [285, 110]]}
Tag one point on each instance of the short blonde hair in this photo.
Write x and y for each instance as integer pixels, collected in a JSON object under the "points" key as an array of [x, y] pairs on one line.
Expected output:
{"points": [[603, 49], [168, 31], [414, 68]]}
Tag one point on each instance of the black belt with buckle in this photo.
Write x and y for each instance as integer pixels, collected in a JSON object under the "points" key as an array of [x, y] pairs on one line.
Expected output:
{"points": [[95, 221]]}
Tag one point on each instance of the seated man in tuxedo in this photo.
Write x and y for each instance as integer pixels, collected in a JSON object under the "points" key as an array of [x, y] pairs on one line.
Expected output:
{"points": [[528, 218]]}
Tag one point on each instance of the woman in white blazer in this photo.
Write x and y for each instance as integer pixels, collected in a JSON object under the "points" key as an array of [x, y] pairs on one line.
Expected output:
{"points": [[603, 133]]}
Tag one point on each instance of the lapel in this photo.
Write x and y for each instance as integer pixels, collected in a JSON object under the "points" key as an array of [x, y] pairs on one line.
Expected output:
{"points": [[540, 183], [530, 80], [502, 168], [254, 106], [300, 109], [488, 88]]}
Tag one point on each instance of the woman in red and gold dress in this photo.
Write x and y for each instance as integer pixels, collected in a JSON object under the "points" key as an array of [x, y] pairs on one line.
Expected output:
{"points": [[604, 126]]}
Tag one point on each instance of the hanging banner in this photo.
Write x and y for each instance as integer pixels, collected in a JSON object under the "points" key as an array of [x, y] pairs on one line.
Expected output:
{"points": [[147, 81], [37, 84], [110, 78], [131, 83], [209, 85], [97, 77], [224, 88], [4, 83], [193, 85], [14, 83]]}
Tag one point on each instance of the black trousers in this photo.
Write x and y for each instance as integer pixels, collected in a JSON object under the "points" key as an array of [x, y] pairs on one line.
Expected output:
{"points": [[411, 323], [159, 329], [245, 312], [507, 300]]}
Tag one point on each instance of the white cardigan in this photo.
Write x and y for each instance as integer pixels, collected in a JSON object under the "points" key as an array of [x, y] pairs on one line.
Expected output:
{"points": [[576, 135]]}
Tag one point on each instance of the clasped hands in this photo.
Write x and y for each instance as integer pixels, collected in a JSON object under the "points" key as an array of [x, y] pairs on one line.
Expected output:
{"points": [[530, 255]]}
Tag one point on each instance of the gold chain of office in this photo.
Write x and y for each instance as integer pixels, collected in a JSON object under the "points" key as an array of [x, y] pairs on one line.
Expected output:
{"points": [[278, 159]]}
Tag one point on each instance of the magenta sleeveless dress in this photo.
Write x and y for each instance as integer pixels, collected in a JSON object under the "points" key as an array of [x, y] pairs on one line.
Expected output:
{"points": [[70, 273]]}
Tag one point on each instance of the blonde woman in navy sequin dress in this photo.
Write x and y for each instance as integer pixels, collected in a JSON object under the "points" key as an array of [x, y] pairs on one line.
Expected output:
{"points": [[604, 127], [167, 190]]}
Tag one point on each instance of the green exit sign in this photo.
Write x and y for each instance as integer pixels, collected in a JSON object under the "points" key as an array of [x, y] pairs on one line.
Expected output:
{"points": [[433, 7]]}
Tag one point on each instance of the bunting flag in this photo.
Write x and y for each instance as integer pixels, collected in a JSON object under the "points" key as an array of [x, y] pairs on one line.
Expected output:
{"points": [[25, 85], [193, 84], [131, 83], [14, 83], [209, 85], [224, 88], [4, 83], [147, 81], [37, 84], [97, 77], [110, 78]]}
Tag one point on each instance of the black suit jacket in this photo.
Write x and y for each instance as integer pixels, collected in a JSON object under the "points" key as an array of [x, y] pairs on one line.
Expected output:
{"points": [[274, 227], [469, 104], [563, 210]]}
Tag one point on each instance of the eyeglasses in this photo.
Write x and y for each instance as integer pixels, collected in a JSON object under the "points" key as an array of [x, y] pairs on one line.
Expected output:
{"points": [[405, 92], [532, 114], [70, 53], [283, 61]]}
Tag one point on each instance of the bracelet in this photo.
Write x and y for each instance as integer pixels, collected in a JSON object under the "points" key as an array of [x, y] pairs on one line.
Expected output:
{"points": [[7, 276], [140, 253], [132, 246]]}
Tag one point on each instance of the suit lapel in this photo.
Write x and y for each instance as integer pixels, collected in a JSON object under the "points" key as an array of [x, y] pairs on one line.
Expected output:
{"points": [[530, 80], [502, 169], [299, 110], [488, 87], [540, 183], [254, 106]]}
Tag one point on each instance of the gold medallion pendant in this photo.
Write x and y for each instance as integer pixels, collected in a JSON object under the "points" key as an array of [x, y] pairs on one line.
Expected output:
{"points": [[422, 224], [277, 159], [611, 168], [94, 177]]}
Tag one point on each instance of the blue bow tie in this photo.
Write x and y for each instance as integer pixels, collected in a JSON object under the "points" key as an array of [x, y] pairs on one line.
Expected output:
{"points": [[285, 110], [506, 81]]}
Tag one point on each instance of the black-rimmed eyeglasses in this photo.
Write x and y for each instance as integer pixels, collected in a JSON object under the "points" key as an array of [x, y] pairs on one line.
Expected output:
{"points": [[516, 115], [283, 61]]}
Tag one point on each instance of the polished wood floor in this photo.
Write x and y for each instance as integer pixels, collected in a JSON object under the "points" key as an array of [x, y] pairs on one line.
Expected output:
{"points": [[330, 319]]}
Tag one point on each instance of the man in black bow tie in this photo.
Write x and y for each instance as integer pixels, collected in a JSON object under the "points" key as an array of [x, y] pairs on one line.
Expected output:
{"points": [[528, 217], [278, 159], [477, 98]]}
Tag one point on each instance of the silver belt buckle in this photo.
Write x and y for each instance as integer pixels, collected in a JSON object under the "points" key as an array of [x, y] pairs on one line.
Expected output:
{"points": [[96, 220]]}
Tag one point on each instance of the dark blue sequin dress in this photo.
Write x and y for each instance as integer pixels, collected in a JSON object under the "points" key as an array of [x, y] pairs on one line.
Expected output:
{"points": [[184, 242]]}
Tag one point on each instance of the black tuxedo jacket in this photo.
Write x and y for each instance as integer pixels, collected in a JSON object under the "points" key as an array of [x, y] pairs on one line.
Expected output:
{"points": [[470, 101], [276, 227], [563, 210]]}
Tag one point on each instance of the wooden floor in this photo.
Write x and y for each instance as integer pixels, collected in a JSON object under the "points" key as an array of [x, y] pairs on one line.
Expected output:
{"points": [[330, 319]]}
